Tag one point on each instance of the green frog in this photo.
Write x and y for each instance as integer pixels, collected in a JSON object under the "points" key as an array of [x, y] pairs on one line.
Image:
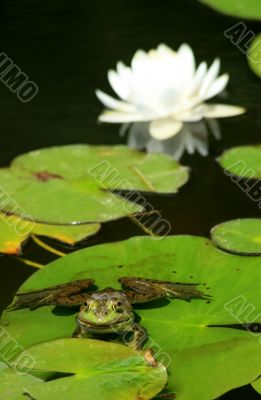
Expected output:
{"points": [[108, 310]]}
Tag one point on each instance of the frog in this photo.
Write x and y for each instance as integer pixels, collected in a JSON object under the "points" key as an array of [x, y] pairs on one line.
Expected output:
{"points": [[108, 310]]}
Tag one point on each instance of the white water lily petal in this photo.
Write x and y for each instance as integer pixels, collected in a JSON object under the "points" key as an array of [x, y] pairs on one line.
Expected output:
{"points": [[189, 143], [198, 78], [209, 78], [194, 115], [214, 128], [120, 117], [187, 63], [222, 111], [139, 58], [164, 128], [200, 147], [119, 85], [115, 104], [165, 51], [125, 75], [217, 86]]}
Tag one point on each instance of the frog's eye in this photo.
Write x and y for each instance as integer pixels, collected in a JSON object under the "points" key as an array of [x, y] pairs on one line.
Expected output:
{"points": [[118, 306], [86, 305]]}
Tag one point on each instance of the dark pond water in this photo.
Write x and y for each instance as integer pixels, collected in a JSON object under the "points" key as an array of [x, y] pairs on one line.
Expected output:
{"points": [[66, 47]]}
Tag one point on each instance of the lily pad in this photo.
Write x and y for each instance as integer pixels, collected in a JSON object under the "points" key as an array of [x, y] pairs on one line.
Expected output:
{"points": [[14, 231], [242, 161], [91, 369], [249, 9], [241, 236], [16, 386], [75, 184], [179, 331], [257, 385], [253, 58]]}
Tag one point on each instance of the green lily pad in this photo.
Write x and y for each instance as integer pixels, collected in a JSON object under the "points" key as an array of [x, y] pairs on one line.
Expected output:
{"points": [[179, 330], [253, 58], [14, 231], [249, 9], [74, 184], [241, 236], [257, 385], [16, 386], [242, 161], [94, 370]]}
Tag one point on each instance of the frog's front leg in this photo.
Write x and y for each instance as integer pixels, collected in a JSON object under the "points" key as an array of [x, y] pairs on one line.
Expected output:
{"points": [[160, 288], [77, 332], [139, 337], [67, 294]]}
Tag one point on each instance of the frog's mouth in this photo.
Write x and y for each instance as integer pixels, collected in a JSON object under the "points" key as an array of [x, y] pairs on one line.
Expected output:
{"points": [[102, 327]]}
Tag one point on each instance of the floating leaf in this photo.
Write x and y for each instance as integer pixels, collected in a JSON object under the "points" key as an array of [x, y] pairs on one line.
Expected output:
{"points": [[14, 386], [257, 385], [74, 184], [249, 9], [14, 231], [241, 236], [242, 161], [253, 58], [83, 369], [179, 330], [84, 372]]}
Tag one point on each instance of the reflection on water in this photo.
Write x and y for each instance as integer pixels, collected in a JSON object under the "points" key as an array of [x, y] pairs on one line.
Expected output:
{"points": [[193, 138]]}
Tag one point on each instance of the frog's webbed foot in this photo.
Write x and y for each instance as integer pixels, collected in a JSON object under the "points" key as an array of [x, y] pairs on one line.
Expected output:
{"points": [[68, 294], [138, 338], [143, 290], [185, 291]]}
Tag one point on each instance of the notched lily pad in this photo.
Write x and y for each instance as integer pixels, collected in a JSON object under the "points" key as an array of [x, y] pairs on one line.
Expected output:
{"points": [[240, 236], [75, 184], [188, 337], [14, 231], [67, 192], [85, 369]]}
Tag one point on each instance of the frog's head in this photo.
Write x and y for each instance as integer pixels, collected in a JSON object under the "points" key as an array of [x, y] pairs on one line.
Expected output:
{"points": [[105, 312]]}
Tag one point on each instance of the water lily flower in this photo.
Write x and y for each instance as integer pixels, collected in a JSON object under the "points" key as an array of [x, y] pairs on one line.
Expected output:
{"points": [[164, 87]]}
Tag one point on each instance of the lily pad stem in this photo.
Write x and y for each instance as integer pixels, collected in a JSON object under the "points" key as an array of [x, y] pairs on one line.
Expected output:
{"points": [[28, 262], [135, 218], [46, 247]]}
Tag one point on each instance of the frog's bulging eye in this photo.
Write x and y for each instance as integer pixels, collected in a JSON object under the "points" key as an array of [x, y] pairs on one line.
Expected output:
{"points": [[118, 307], [86, 305]]}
